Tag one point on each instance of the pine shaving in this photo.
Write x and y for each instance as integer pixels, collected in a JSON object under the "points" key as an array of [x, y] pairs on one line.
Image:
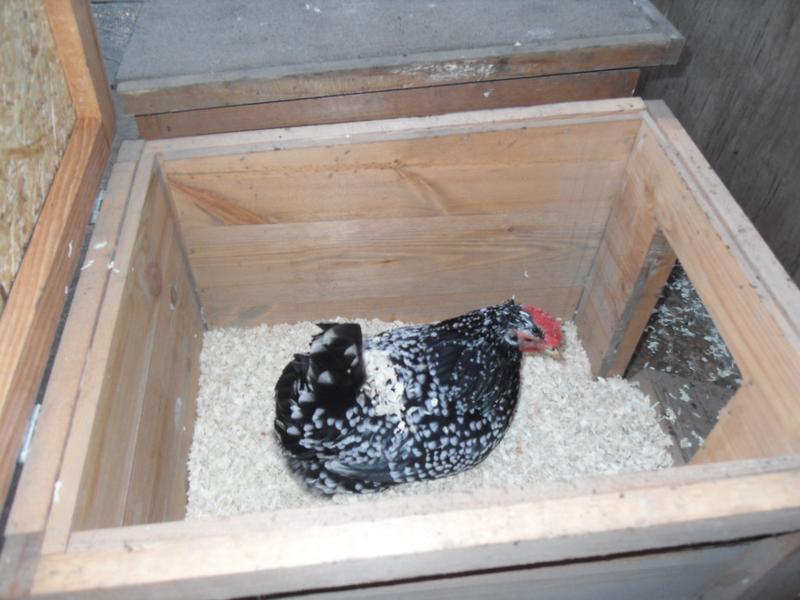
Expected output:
{"points": [[567, 426]]}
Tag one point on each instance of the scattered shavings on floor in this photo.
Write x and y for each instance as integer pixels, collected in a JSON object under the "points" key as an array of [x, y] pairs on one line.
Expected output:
{"points": [[567, 426], [681, 338]]}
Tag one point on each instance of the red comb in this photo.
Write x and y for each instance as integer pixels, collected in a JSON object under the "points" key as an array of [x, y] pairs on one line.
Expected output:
{"points": [[547, 323]]}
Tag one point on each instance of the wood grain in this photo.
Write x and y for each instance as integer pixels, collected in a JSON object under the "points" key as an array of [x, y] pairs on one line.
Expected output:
{"points": [[750, 297], [482, 173], [422, 537], [159, 473], [109, 460], [628, 274], [170, 94], [243, 270], [82, 60], [87, 401], [525, 91], [247, 560], [753, 574], [41, 469], [465, 123], [745, 116], [135, 467], [661, 576], [29, 321]]}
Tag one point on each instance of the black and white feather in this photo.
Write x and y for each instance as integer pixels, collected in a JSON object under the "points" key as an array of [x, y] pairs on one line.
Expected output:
{"points": [[410, 404]]}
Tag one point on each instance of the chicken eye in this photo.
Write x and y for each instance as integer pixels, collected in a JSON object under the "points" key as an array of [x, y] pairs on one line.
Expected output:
{"points": [[510, 337]]}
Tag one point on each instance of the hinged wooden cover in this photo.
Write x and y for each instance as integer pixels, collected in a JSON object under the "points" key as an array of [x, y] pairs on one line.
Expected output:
{"points": [[30, 319]]}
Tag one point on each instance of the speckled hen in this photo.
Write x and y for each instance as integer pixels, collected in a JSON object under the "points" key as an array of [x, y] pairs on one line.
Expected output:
{"points": [[409, 404]]}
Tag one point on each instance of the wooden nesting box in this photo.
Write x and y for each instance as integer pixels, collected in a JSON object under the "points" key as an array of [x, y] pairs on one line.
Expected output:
{"points": [[580, 208]]}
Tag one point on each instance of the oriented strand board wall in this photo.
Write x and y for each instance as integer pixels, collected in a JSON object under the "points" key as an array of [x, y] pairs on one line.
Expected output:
{"points": [[737, 93], [36, 119]]}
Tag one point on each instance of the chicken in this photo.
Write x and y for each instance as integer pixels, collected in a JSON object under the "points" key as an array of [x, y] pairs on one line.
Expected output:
{"points": [[409, 404]]}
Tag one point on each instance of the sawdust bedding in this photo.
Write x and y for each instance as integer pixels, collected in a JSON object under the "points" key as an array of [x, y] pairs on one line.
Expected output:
{"points": [[567, 427]]}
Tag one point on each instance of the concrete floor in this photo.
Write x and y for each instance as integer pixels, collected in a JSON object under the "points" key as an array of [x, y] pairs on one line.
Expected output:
{"points": [[681, 360]]}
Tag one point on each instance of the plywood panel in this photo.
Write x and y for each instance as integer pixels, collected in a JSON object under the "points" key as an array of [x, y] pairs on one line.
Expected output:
{"points": [[36, 119], [29, 321]]}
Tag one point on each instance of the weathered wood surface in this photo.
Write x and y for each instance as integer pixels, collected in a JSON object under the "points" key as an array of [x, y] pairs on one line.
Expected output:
{"points": [[745, 288], [769, 568], [430, 536], [55, 420], [747, 292], [627, 276], [76, 38], [661, 576], [36, 120], [413, 102], [280, 51], [465, 221], [735, 92], [29, 321]]}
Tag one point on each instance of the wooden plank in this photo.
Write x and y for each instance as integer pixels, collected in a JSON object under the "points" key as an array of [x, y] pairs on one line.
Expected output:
{"points": [[411, 102], [82, 59], [438, 46], [481, 173], [422, 308], [246, 560], [35, 489], [62, 512], [750, 297], [109, 460], [744, 110], [389, 508], [18, 564], [29, 320], [628, 274], [157, 488], [198, 92], [751, 575], [245, 269], [501, 119], [664, 576], [135, 466]]}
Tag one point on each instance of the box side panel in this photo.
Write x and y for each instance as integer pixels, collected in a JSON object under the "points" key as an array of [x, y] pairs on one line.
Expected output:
{"points": [[750, 297], [134, 466], [628, 274], [413, 229], [159, 478], [275, 553], [35, 489]]}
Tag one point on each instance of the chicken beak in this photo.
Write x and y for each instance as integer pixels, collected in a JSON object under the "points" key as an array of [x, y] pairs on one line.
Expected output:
{"points": [[553, 353]]}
